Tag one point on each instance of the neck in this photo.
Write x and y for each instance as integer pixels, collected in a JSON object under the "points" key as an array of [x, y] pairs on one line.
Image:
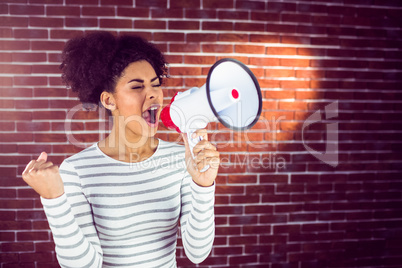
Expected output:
{"points": [[125, 146]]}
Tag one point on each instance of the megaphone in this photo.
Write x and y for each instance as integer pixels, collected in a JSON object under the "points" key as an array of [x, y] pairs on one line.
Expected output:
{"points": [[231, 96]]}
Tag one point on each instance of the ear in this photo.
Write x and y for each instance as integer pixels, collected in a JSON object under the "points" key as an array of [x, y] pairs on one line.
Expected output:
{"points": [[108, 101]]}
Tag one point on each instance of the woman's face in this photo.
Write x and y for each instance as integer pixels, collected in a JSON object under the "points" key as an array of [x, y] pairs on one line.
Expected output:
{"points": [[138, 100]]}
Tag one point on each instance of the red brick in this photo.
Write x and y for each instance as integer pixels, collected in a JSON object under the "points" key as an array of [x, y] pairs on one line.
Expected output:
{"points": [[5, 57], [30, 81], [295, 84], [295, 62], [54, 103], [13, 21], [7, 236], [198, 37], [34, 149], [246, 199], [151, 3], [252, 49], [185, 71], [37, 257], [31, 215], [49, 115], [200, 59], [15, 69], [47, 45], [233, 250], [236, 260], [217, 48], [247, 26], [183, 25], [168, 36], [28, 57], [8, 171], [7, 215], [250, 5], [201, 14], [280, 73], [328, 20], [50, 137], [8, 193], [149, 24], [23, 33], [132, 12], [217, 4], [17, 247], [45, 22], [281, 51], [16, 204], [242, 179], [266, 62], [98, 11], [230, 15], [89, 22], [233, 37], [31, 104], [119, 3], [44, 246], [6, 32], [40, 225], [26, 10], [243, 240], [14, 45], [18, 115], [259, 209], [63, 11], [58, 2], [217, 26]]}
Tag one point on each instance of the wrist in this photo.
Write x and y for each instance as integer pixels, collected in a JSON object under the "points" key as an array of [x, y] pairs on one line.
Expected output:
{"points": [[52, 195], [204, 184]]}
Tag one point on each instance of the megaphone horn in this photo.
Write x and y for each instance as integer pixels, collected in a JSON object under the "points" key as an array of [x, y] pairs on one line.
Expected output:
{"points": [[231, 96]]}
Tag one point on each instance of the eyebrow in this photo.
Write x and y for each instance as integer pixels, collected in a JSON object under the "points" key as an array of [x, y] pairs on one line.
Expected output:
{"points": [[140, 80]]}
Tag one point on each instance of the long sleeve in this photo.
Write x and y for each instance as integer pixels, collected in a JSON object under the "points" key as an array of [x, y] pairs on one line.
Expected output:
{"points": [[197, 219], [71, 222]]}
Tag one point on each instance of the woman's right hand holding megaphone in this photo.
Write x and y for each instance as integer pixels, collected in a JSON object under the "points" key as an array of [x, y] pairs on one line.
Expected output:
{"points": [[44, 177], [204, 154]]}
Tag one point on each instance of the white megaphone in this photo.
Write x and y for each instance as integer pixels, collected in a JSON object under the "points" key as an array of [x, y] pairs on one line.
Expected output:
{"points": [[231, 96]]}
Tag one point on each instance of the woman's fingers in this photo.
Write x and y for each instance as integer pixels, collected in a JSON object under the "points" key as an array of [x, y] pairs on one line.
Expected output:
{"points": [[44, 177], [42, 156], [203, 145], [28, 167], [208, 155], [200, 133]]}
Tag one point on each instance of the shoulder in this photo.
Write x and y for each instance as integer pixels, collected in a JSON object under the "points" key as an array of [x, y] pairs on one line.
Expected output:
{"points": [[86, 154]]}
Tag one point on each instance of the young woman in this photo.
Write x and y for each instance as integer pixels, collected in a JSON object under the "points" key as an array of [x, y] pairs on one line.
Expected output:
{"points": [[119, 202]]}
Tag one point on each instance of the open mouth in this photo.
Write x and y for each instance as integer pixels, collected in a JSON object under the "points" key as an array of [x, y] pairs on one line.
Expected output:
{"points": [[151, 115]]}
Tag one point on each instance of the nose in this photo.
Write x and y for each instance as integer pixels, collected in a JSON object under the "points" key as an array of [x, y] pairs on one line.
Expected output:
{"points": [[153, 92]]}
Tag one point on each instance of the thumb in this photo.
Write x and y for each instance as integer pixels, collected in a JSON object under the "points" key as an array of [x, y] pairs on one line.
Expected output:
{"points": [[184, 136], [43, 156]]}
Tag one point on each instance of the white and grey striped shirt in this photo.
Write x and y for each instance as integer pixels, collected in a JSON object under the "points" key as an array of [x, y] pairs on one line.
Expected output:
{"points": [[126, 214]]}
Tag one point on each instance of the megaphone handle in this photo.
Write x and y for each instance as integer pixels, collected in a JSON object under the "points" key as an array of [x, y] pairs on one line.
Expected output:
{"points": [[191, 143]]}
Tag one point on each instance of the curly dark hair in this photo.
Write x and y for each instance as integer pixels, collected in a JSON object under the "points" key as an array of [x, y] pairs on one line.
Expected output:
{"points": [[93, 63]]}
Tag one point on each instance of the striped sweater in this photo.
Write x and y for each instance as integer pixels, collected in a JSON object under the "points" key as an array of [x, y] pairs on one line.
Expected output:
{"points": [[126, 214]]}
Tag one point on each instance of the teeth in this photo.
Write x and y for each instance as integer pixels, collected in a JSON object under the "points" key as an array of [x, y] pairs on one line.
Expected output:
{"points": [[154, 108]]}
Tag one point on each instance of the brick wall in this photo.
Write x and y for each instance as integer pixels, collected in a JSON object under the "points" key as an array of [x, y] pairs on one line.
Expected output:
{"points": [[330, 73]]}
